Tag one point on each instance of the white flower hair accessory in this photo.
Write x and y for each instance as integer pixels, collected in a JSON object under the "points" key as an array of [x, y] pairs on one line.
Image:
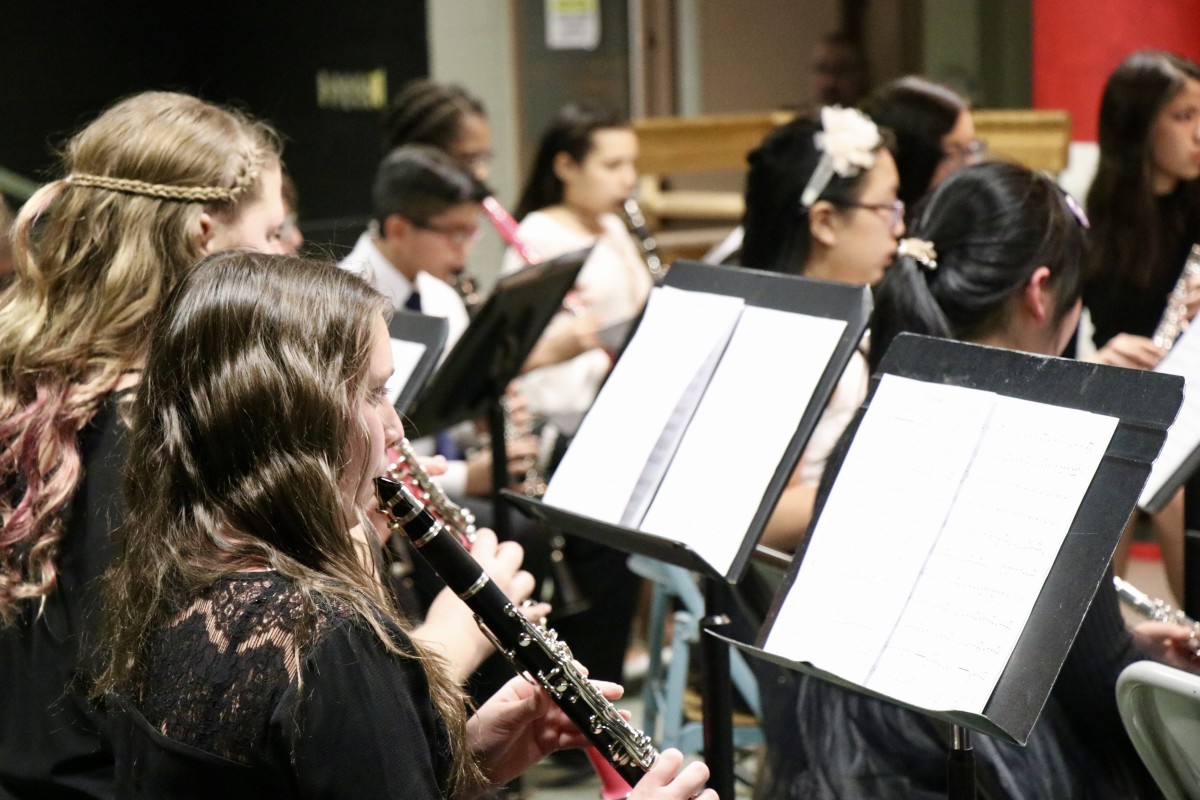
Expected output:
{"points": [[847, 140], [920, 251]]}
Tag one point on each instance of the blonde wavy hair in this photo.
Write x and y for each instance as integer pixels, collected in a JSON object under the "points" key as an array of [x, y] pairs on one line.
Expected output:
{"points": [[94, 252]]}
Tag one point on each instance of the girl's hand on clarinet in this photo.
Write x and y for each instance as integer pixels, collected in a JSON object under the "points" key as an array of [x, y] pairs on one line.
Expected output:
{"points": [[520, 725], [666, 781]]}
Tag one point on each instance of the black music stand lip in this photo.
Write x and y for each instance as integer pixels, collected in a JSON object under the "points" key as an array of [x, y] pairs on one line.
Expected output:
{"points": [[472, 380], [767, 290], [422, 329], [1146, 404]]}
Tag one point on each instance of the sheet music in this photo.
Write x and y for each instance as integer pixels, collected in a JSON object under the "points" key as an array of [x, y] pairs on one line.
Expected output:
{"points": [[405, 356], [936, 540], [766, 404], [1184, 435], [678, 335]]}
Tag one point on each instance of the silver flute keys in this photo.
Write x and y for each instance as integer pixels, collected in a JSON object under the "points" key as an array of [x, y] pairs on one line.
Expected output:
{"points": [[1174, 316], [1155, 609]]}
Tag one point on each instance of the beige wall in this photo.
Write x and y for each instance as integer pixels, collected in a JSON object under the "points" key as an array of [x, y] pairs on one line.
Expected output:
{"points": [[754, 54]]}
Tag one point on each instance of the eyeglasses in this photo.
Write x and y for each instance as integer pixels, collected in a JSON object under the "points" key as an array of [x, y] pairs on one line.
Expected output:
{"points": [[459, 237], [895, 210], [970, 153], [474, 162]]}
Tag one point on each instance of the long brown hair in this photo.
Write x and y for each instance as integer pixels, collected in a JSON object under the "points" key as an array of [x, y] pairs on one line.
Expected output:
{"points": [[238, 447], [94, 252], [1133, 239]]}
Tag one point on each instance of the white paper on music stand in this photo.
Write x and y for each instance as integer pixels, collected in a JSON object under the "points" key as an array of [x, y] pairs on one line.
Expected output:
{"points": [[765, 405], [938, 540], [677, 337], [405, 356], [1183, 437]]}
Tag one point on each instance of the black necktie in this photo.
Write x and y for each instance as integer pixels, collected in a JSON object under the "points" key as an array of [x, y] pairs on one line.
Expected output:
{"points": [[413, 303]]}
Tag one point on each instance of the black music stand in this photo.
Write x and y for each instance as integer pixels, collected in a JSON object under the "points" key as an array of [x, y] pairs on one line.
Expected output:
{"points": [[1145, 404], [827, 301], [427, 331], [472, 380]]}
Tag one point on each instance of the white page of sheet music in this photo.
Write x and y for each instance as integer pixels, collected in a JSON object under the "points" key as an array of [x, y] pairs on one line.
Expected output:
{"points": [[763, 406], [1184, 435], [974, 595], [891, 497], [949, 522], [676, 338], [405, 356]]}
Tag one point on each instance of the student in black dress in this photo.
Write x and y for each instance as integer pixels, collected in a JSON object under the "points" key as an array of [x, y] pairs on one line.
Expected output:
{"points": [[153, 184], [1145, 211], [252, 648], [996, 259]]}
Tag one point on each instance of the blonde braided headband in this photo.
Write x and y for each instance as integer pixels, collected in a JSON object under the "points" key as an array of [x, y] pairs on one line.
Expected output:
{"points": [[163, 191], [167, 191]]}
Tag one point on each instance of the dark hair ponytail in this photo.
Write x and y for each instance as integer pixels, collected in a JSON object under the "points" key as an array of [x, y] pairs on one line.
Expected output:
{"points": [[992, 226]]}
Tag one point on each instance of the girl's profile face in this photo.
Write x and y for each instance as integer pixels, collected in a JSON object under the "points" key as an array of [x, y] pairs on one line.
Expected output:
{"points": [[472, 147], [1175, 139], [866, 232], [258, 223], [368, 460], [607, 174]]}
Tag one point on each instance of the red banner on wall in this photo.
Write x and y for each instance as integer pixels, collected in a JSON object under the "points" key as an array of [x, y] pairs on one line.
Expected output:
{"points": [[1077, 43]]}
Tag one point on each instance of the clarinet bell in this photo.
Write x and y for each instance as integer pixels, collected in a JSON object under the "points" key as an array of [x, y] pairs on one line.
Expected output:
{"points": [[566, 596]]}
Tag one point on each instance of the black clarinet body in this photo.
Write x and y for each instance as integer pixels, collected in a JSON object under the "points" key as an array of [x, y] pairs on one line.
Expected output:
{"points": [[532, 649]]}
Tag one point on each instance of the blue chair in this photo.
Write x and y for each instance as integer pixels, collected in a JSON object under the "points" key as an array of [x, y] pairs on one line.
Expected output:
{"points": [[1160, 707], [664, 689]]}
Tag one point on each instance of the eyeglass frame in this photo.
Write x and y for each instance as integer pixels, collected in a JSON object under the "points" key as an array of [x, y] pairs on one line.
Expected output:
{"points": [[972, 152], [896, 207], [456, 236]]}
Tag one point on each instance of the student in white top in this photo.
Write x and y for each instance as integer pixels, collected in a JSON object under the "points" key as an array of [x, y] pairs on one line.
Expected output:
{"points": [[583, 171]]}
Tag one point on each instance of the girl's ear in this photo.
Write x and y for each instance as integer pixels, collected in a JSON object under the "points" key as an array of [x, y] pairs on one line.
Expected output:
{"points": [[823, 222], [207, 229], [1038, 298], [565, 167]]}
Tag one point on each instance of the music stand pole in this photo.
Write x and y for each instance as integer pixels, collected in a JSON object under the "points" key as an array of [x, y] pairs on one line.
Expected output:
{"points": [[500, 517], [717, 689], [960, 769]]}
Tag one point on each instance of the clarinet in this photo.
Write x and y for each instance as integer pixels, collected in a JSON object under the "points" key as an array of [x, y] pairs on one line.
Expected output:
{"points": [[1157, 610], [1175, 314], [635, 221], [506, 226], [532, 649]]}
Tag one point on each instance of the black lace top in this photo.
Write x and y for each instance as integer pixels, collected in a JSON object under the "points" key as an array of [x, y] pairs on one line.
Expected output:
{"points": [[227, 707]]}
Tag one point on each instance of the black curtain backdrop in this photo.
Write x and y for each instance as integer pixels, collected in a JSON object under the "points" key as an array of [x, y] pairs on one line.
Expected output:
{"points": [[62, 62]]}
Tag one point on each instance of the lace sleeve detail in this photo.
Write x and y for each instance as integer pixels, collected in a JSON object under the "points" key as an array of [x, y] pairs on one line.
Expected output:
{"points": [[219, 668]]}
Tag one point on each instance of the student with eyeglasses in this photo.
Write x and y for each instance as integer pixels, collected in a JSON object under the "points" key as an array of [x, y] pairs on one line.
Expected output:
{"points": [[933, 129], [822, 201], [426, 220]]}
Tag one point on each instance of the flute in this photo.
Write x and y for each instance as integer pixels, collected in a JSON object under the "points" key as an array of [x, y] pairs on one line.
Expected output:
{"points": [[532, 649], [1155, 609], [1175, 314]]}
